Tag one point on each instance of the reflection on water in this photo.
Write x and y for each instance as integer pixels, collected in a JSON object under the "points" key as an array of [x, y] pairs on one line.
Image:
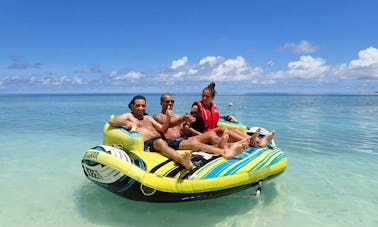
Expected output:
{"points": [[331, 143], [102, 207]]}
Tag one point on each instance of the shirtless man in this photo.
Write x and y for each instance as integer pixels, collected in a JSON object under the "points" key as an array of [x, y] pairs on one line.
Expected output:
{"points": [[179, 131], [218, 136], [150, 130], [176, 138]]}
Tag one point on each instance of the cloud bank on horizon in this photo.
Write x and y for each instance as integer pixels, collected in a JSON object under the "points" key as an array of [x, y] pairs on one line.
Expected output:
{"points": [[157, 46], [231, 75]]}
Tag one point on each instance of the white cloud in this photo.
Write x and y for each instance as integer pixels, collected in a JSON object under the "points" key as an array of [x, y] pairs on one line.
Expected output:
{"points": [[367, 57], [114, 76], [59, 81], [26, 83], [179, 63], [303, 47], [307, 68], [211, 60], [234, 69], [192, 71], [213, 68], [178, 75], [365, 67], [132, 75], [78, 80]]}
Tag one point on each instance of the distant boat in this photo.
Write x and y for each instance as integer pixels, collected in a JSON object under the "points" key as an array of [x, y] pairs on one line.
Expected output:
{"points": [[230, 104]]}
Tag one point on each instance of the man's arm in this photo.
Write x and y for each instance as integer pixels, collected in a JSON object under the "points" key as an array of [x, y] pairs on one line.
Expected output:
{"points": [[158, 118], [187, 118], [122, 120], [163, 128], [178, 119]]}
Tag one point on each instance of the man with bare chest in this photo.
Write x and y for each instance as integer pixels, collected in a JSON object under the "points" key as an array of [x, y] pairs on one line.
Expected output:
{"points": [[177, 137], [150, 129]]}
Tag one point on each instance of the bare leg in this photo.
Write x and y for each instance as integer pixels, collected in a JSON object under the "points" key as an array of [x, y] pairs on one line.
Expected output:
{"points": [[255, 138], [186, 161], [167, 151], [231, 151], [264, 141], [207, 137], [224, 140], [235, 134], [235, 149]]}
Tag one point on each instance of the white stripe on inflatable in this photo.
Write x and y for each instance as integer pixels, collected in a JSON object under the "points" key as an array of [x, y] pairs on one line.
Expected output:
{"points": [[253, 130], [105, 174]]}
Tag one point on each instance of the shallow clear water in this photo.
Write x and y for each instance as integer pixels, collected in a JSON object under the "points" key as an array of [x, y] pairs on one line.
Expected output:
{"points": [[331, 180]]}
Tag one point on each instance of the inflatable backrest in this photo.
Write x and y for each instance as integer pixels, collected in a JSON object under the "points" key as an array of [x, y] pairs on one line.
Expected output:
{"points": [[131, 141], [231, 124]]}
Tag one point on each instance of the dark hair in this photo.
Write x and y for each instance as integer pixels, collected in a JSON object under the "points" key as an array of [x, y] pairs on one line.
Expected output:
{"points": [[135, 98], [211, 88], [199, 125]]}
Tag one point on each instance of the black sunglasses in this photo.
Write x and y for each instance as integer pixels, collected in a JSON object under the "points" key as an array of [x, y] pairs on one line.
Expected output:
{"points": [[169, 101]]}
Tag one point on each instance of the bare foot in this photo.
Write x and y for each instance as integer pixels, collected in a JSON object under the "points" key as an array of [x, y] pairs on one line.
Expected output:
{"points": [[186, 162], [235, 149], [264, 141], [224, 140], [254, 140]]}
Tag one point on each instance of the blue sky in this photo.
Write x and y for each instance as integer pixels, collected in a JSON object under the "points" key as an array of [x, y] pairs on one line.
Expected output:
{"points": [[272, 46]]}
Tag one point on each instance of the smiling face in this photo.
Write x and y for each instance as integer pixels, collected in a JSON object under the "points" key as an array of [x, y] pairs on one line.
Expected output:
{"points": [[139, 108]]}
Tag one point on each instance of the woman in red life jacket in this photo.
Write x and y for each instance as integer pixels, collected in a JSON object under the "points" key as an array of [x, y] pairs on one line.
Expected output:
{"points": [[205, 111], [207, 114]]}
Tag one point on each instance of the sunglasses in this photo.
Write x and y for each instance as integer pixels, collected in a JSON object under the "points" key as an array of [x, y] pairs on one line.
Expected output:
{"points": [[169, 101]]}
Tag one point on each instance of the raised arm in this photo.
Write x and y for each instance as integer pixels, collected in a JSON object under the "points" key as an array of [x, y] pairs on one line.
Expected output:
{"points": [[163, 128], [187, 118]]}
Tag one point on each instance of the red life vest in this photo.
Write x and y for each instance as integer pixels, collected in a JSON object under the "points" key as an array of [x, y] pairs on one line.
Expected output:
{"points": [[209, 116]]}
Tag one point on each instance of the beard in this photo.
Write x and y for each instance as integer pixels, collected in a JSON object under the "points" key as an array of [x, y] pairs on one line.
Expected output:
{"points": [[138, 114]]}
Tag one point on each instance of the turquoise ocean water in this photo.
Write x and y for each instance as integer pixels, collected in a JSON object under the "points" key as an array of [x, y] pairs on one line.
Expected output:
{"points": [[331, 179]]}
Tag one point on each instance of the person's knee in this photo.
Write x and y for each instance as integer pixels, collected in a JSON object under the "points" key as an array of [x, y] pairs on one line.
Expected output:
{"points": [[214, 137], [237, 130], [220, 130], [159, 144], [194, 144]]}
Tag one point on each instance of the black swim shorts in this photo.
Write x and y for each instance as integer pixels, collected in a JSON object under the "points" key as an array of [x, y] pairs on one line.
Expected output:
{"points": [[149, 144], [175, 143]]}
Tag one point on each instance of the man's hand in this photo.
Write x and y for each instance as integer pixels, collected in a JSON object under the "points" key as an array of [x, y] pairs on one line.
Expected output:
{"points": [[227, 117], [189, 119], [231, 118], [170, 114], [129, 126]]}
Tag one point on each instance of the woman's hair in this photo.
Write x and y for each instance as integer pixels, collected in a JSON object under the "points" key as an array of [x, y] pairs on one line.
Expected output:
{"points": [[135, 98], [211, 88]]}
